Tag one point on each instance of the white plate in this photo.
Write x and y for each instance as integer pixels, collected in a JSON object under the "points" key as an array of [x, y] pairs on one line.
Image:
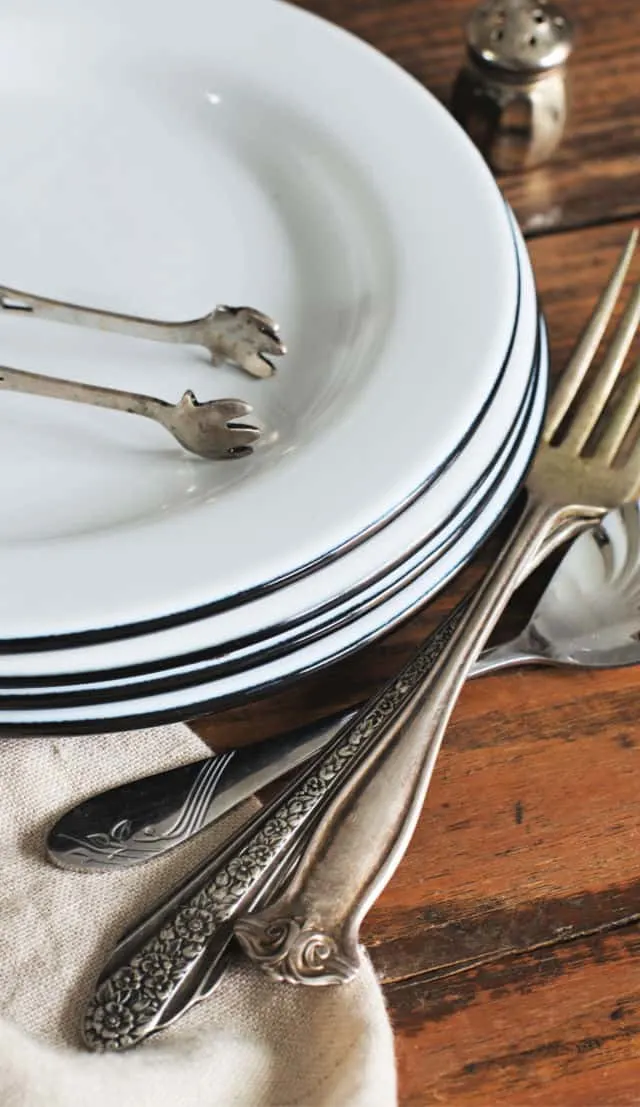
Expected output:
{"points": [[191, 702], [334, 583], [193, 669], [158, 158]]}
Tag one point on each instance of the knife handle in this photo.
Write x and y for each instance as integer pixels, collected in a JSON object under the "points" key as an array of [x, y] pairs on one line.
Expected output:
{"points": [[146, 818]]}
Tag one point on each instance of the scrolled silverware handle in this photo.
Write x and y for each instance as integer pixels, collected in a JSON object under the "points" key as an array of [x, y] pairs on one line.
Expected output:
{"points": [[309, 934], [173, 957], [170, 959]]}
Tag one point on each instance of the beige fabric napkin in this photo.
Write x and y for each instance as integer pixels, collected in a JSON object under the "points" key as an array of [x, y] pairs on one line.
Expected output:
{"points": [[253, 1044]]}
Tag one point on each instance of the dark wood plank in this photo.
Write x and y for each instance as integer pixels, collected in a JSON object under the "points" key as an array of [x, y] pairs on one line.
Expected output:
{"points": [[529, 833], [595, 174], [552, 1028]]}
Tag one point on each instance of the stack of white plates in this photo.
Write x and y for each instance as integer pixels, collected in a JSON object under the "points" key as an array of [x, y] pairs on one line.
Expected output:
{"points": [[160, 158]]}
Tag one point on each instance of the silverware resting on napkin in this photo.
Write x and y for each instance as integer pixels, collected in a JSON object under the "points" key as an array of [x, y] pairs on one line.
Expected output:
{"points": [[241, 336], [209, 430], [296, 882], [176, 955], [143, 819]]}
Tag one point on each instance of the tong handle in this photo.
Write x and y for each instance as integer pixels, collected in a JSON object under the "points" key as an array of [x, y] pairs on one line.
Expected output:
{"points": [[15, 302], [57, 388]]}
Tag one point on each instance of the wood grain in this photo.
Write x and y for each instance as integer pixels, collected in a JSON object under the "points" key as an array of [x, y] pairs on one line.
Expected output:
{"points": [[555, 1027], [520, 843], [594, 176]]}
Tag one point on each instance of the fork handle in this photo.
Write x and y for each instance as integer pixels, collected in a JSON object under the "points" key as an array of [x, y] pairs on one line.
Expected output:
{"points": [[172, 958], [309, 934], [57, 388], [15, 302]]}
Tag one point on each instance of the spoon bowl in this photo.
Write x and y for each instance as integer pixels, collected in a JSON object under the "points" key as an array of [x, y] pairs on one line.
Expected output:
{"points": [[589, 614]]}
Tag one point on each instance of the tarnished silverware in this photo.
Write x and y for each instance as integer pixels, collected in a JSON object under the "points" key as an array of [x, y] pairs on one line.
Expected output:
{"points": [[176, 955], [241, 336], [587, 618], [309, 933], [209, 429], [336, 834], [146, 818]]}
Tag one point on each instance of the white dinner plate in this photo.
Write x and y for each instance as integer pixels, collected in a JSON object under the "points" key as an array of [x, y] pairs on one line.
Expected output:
{"points": [[344, 578], [196, 668], [187, 703], [159, 158]]}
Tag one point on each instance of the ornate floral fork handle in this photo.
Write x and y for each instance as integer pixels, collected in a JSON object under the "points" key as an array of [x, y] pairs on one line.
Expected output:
{"points": [[241, 336], [174, 957]]}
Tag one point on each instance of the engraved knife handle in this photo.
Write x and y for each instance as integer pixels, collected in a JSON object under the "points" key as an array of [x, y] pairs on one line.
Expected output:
{"points": [[144, 819]]}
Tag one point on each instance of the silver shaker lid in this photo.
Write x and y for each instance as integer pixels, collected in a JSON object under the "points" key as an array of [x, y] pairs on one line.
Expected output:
{"points": [[522, 36]]}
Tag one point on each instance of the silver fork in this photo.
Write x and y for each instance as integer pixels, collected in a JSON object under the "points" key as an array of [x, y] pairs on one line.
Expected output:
{"points": [[309, 934], [241, 336], [337, 832]]}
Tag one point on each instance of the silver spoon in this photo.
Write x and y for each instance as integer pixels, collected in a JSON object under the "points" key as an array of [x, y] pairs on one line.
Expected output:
{"points": [[208, 430], [241, 336], [588, 617]]}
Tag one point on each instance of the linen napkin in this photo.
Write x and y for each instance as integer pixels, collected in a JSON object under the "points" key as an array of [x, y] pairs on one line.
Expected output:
{"points": [[254, 1043]]}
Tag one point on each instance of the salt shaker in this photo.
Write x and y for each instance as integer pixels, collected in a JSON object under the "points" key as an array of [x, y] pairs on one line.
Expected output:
{"points": [[511, 95]]}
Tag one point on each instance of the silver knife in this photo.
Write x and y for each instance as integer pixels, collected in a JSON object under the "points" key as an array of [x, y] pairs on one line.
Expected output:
{"points": [[140, 821]]}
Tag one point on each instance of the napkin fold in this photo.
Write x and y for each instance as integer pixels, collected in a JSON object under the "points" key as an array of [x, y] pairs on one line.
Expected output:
{"points": [[252, 1044]]}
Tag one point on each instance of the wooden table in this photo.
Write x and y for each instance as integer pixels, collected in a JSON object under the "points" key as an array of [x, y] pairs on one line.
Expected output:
{"points": [[508, 940]]}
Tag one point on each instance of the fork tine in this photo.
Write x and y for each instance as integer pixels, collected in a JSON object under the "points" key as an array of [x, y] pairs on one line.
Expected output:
{"points": [[583, 354], [592, 405], [617, 428]]}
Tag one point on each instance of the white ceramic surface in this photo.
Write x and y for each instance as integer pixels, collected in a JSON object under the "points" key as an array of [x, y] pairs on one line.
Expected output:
{"points": [[350, 573], [158, 158], [191, 702], [229, 660]]}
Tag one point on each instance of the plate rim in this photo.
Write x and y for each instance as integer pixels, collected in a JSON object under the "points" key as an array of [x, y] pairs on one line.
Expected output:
{"points": [[96, 636], [112, 724], [207, 638], [75, 690]]}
